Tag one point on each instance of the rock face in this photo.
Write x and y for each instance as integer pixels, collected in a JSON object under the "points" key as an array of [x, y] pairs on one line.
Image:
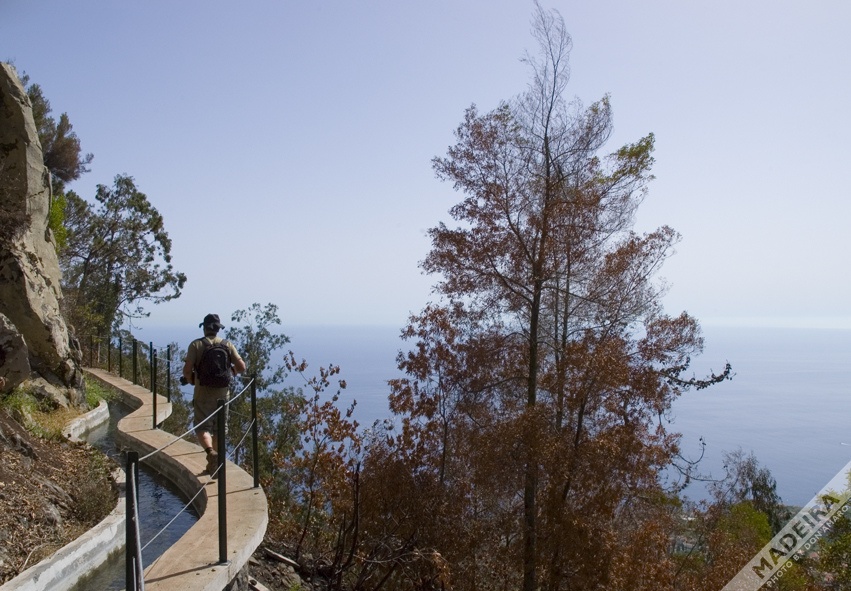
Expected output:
{"points": [[30, 292], [14, 355]]}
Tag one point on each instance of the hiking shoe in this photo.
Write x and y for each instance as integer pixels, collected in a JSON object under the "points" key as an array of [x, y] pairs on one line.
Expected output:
{"points": [[212, 462]]}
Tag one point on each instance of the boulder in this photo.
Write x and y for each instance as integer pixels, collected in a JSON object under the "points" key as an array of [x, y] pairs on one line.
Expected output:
{"points": [[14, 356], [51, 395], [30, 292]]}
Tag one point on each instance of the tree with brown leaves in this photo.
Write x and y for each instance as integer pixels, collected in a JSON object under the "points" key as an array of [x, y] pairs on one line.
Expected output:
{"points": [[536, 398]]}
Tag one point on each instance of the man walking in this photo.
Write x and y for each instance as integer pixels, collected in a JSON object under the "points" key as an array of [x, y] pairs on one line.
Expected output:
{"points": [[210, 364]]}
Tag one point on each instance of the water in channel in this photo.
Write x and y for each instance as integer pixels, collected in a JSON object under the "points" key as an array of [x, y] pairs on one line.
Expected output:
{"points": [[159, 502]]}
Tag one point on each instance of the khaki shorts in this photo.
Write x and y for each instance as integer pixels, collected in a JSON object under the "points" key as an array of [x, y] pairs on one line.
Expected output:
{"points": [[204, 403]]}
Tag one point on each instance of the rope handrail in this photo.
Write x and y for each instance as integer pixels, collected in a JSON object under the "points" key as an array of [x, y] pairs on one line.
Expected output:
{"points": [[241, 441], [176, 439], [192, 430], [244, 389]]}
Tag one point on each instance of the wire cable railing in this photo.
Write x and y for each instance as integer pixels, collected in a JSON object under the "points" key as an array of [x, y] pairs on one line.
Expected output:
{"points": [[133, 557], [177, 438], [124, 355]]}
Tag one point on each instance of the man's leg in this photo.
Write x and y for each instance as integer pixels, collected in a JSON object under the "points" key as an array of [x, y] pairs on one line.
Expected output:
{"points": [[208, 442], [205, 431]]}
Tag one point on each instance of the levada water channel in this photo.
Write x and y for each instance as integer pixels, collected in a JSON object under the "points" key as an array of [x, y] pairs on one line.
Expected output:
{"points": [[159, 503]]}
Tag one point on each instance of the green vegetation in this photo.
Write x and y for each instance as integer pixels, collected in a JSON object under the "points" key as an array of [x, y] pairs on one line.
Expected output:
{"points": [[59, 143], [253, 332], [95, 392], [56, 221], [38, 416], [44, 418], [117, 256]]}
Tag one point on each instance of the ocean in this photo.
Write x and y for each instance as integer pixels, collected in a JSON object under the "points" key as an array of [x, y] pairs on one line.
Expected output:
{"points": [[788, 402]]}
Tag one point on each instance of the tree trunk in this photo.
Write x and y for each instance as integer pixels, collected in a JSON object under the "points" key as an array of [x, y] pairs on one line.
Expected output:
{"points": [[530, 485]]}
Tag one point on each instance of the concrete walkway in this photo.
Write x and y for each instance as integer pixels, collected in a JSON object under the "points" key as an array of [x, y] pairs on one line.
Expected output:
{"points": [[192, 563]]}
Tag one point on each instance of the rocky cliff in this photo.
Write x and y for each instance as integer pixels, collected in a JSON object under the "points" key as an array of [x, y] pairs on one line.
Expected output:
{"points": [[34, 338]]}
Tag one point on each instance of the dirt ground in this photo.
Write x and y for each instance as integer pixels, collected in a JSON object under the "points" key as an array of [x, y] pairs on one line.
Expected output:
{"points": [[50, 493]]}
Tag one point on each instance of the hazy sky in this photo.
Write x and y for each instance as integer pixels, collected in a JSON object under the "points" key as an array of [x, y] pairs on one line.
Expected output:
{"points": [[288, 144]]}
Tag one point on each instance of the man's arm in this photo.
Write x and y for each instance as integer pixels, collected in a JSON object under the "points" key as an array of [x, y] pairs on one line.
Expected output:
{"points": [[187, 371], [238, 365], [189, 364]]}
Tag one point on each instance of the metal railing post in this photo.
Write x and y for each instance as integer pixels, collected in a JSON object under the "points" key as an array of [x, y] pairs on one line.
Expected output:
{"points": [[135, 362], [133, 556], [168, 373], [109, 354], [254, 445], [120, 357], [91, 351], [154, 385], [151, 366], [222, 491]]}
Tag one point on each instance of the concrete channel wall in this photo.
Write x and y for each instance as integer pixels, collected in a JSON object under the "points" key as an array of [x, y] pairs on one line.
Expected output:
{"points": [[191, 563]]}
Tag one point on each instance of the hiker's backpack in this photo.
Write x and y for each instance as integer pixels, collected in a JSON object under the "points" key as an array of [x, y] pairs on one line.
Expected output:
{"points": [[214, 367]]}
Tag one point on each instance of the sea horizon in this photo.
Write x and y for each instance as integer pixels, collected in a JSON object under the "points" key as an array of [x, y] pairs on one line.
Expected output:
{"points": [[787, 403]]}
